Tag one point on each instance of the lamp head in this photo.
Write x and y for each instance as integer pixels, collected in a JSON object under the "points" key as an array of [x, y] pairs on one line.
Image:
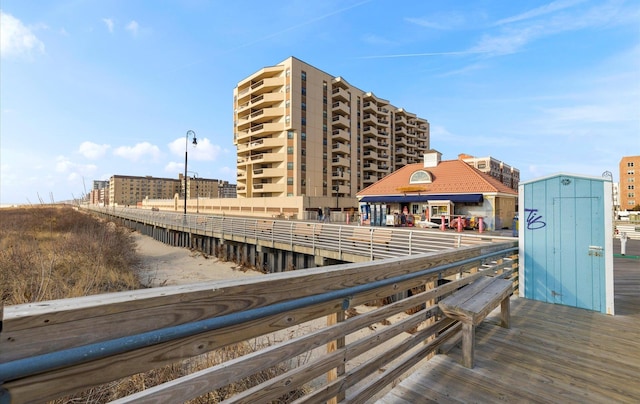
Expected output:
{"points": [[195, 141]]}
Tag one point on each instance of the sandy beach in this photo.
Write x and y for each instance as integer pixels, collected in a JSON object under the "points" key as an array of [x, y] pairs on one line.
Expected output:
{"points": [[164, 265]]}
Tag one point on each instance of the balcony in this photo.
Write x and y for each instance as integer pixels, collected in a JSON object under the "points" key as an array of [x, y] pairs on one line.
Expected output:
{"points": [[262, 100], [340, 107], [369, 107], [339, 121], [261, 129], [266, 85], [341, 148], [340, 162], [370, 142], [370, 154], [401, 141], [268, 173], [338, 175], [268, 188], [370, 119], [339, 94], [369, 130], [340, 134], [266, 158]]}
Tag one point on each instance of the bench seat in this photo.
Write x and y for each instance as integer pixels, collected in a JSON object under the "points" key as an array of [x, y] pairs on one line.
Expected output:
{"points": [[471, 304]]}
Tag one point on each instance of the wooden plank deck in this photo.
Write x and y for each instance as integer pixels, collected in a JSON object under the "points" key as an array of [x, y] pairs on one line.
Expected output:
{"points": [[551, 354]]}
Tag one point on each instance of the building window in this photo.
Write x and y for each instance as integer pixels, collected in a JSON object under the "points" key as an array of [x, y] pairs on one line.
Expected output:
{"points": [[303, 76], [303, 167], [630, 164], [304, 90], [290, 166], [290, 134], [420, 177], [288, 72], [289, 180], [304, 121], [303, 106], [631, 195], [290, 150], [630, 187], [303, 152], [303, 135], [287, 119], [324, 99], [287, 88], [482, 165], [287, 104]]}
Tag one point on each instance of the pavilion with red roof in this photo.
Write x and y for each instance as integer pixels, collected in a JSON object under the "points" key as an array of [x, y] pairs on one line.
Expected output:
{"points": [[438, 189]]}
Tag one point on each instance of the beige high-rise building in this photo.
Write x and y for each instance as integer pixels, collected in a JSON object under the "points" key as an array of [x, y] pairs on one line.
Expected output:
{"points": [[301, 131], [629, 179]]}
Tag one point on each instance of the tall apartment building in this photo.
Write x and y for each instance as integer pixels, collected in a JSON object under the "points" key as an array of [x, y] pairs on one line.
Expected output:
{"points": [[301, 131], [629, 179], [509, 176]]}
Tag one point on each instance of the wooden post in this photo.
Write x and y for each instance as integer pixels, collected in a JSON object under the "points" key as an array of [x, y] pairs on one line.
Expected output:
{"points": [[468, 343], [505, 312], [332, 346]]}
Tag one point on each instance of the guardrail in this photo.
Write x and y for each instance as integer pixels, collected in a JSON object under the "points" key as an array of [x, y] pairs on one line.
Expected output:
{"points": [[345, 240], [52, 349]]}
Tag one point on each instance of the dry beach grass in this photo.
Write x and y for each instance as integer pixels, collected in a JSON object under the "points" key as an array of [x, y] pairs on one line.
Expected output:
{"points": [[57, 252]]}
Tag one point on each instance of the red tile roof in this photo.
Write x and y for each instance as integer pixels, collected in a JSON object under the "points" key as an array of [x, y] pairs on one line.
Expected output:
{"points": [[448, 177]]}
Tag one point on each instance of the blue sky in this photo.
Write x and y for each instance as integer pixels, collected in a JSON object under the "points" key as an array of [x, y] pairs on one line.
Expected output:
{"points": [[89, 89]]}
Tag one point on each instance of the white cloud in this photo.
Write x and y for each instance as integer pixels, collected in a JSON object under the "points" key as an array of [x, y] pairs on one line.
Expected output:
{"points": [[133, 27], [539, 11], [73, 170], [204, 151], [174, 167], [16, 39], [109, 23], [440, 21], [138, 151], [518, 31], [92, 150]]}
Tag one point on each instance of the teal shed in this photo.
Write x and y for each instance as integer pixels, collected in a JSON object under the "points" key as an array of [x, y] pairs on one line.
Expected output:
{"points": [[566, 241]]}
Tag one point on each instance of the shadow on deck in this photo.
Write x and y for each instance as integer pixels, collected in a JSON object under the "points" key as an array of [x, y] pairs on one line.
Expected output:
{"points": [[552, 353]]}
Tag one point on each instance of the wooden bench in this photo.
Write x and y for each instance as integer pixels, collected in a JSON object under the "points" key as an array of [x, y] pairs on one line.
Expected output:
{"points": [[471, 304]]}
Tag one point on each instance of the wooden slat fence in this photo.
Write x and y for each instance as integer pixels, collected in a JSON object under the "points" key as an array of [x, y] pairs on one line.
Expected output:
{"points": [[70, 345]]}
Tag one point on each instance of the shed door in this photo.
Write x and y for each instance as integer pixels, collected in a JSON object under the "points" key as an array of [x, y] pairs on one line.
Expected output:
{"points": [[579, 259]]}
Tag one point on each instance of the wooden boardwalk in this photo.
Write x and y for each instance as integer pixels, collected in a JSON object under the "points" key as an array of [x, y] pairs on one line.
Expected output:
{"points": [[551, 354]]}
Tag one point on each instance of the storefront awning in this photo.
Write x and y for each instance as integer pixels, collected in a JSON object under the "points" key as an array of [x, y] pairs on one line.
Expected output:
{"points": [[455, 198]]}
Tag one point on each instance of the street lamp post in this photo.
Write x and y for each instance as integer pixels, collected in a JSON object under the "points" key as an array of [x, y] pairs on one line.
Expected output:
{"points": [[186, 146], [196, 177]]}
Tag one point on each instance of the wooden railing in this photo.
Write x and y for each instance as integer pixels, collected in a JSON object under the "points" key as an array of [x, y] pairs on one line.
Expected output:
{"points": [[370, 321]]}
